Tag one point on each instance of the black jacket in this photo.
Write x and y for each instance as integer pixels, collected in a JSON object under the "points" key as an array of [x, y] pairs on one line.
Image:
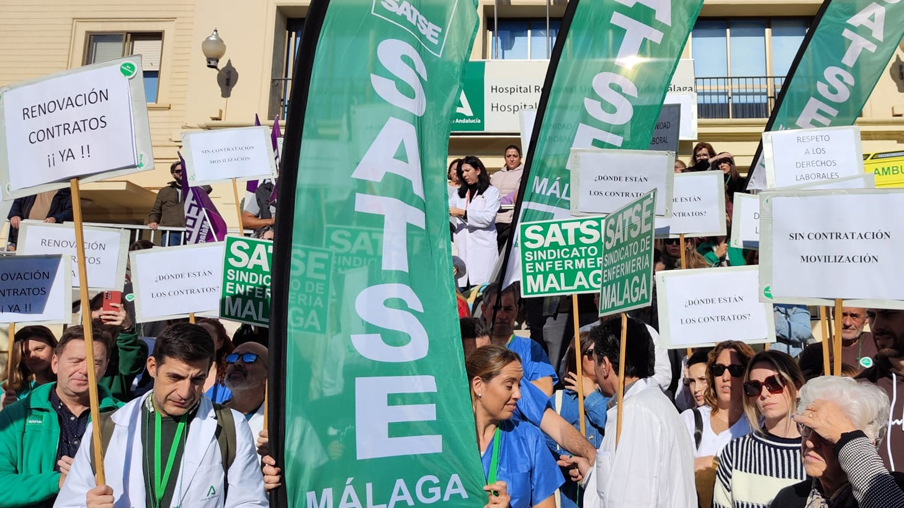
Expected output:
{"points": [[60, 209]]}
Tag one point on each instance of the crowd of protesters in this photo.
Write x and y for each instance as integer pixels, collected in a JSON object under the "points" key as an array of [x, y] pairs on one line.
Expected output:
{"points": [[732, 426]]}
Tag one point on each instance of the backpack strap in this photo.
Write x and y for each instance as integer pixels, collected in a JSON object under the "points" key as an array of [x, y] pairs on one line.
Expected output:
{"points": [[225, 434], [698, 427], [107, 426]]}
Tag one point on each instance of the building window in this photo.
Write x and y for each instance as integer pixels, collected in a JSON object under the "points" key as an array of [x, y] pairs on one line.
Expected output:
{"points": [[522, 39], [294, 29], [103, 47], [741, 64]]}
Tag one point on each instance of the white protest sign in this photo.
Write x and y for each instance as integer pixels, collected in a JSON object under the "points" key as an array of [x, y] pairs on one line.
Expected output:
{"points": [[105, 251], [35, 289], [89, 123], [666, 131], [745, 221], [702, 307], [688, 103], [795, 157], [603, 181], [220, 155], [698, 206], [173, 282], [817, 246]]}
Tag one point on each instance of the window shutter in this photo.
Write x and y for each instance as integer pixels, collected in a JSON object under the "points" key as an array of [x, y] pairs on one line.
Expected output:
{"points": [[150, 50], [104, 47]]}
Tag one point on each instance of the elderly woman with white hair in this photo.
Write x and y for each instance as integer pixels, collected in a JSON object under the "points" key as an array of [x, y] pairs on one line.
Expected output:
{"points": [[841, 422]]}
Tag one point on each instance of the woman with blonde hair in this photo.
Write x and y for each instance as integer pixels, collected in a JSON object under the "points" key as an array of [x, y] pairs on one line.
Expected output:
{"points": [[721, 418], [754, 468], [520, 471]]}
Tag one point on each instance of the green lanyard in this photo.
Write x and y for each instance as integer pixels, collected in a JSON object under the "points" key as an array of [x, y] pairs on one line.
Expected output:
{"points": [[161, 483], [494, 458]]}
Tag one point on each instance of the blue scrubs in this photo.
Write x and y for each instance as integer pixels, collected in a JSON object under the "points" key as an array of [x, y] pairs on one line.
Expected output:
{"points": [[525, 465], [532, 404], [218, 394], [534, 361]]}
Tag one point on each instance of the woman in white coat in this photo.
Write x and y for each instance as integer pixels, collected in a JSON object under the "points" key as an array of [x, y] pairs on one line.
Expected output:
{"points": [[473, 215]]}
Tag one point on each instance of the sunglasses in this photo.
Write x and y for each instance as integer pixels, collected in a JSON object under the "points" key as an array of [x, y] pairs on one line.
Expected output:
{"points": [[246, 358], [671, 241], [774, 384], [734, 369]]}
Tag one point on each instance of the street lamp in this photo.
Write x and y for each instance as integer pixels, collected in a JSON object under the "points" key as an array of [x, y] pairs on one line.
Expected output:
{"points": [[213, 48]]}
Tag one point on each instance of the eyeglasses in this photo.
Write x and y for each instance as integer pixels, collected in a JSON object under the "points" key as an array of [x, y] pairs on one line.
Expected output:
{"points": [[734, 369], [804, 431], [774, 384], [246, 358]]}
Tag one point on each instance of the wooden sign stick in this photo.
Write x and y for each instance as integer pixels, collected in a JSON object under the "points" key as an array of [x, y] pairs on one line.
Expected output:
{"points": [[826, 365], [579, 367], [621, 376], [94, 401], [238, 206], [837, 340], [9, 353]]}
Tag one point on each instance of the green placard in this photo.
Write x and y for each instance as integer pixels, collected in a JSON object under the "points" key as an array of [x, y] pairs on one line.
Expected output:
{"points": [[560, 257], [245, 293], [627, 257]]}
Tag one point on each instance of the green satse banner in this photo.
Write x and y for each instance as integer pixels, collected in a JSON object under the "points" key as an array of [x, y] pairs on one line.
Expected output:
{"points": [[607, 90], [374, 408], [627, 263], [839, 64], [560, 257], [245, 293]]}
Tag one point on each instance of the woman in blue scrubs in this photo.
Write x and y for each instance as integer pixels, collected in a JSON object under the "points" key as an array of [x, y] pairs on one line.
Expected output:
{"points": [[519, 469]]}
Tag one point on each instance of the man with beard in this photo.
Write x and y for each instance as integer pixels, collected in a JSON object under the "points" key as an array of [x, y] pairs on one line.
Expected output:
{"points": [[246, 377], [857, 347], [888, 373]]}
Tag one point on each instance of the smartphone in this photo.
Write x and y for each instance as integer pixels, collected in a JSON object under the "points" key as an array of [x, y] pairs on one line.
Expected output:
{"points": [[111, 297]]}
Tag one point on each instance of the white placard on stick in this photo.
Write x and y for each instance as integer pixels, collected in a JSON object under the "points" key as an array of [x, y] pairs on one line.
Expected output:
{"points": [[221, 155], [173, 282], [89, 123], [105, 251], [745, 221], [705, 306], [35, 289], [603, 181], [818, 246], [795, 157], [698, 206]]}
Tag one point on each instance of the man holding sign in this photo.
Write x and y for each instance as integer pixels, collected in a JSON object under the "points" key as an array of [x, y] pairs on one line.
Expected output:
{"points": [[651, 465]]}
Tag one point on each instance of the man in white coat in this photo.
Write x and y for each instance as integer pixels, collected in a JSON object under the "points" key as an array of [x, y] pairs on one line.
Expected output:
{"points": [[649, 466], [163, 449]]}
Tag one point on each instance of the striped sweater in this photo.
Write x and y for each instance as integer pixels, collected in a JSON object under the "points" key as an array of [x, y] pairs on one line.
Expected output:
{"points": [[753, 468]]}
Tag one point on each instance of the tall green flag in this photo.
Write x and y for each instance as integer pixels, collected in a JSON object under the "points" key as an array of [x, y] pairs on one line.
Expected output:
{"points": [[369, 398], [608, 80], [836, 68], [608, 76]]}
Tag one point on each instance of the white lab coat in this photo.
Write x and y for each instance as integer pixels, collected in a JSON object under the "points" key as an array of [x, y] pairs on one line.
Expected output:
{"points": [[200, 480], [652, 465], [475, 238]]}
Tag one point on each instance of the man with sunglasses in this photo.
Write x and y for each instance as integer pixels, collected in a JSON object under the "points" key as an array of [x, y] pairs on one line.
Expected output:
{"points": [[887, 327], [246, 377], [168, 209]]}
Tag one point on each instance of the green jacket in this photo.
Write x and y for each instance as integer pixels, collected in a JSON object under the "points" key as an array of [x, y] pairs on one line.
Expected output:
{"points": [[29, 437], [127, 361], [735, 256]]}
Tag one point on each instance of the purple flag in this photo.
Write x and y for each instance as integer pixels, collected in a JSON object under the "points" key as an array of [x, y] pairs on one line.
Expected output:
{"points": [[203, 224]]}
